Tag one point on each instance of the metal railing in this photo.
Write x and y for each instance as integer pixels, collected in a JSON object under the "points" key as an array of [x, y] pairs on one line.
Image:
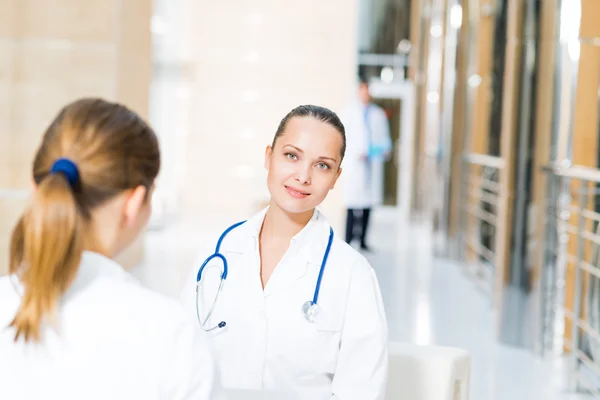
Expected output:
{"points": [[480, 201], [570, 280]]}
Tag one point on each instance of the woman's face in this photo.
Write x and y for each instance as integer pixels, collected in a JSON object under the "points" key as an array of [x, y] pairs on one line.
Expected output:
{"points": [[304, 165]]}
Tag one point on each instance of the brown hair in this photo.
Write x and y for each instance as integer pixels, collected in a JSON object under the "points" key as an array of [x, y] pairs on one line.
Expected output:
{"points": [[317, 112], [113, 150]]}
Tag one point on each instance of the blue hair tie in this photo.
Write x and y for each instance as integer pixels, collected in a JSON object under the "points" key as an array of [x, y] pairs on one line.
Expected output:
{"points": [[68, 169]]}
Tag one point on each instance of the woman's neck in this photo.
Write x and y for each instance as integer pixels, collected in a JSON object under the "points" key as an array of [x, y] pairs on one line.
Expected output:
{"points": [[279, 224]]}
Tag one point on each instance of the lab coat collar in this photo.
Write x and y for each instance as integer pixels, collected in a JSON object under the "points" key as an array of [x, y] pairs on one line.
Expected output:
{"points": [[94, 266], [303, 239], [245, 235], [305, 254], [306, 249]]}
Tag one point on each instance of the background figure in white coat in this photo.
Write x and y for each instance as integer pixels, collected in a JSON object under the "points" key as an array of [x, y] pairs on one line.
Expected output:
{"points": [[263, 328], [74, 324], [369, 146]]}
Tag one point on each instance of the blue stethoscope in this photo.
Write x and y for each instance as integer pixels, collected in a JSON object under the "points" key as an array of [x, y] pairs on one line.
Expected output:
{"points": [[310, 308]]}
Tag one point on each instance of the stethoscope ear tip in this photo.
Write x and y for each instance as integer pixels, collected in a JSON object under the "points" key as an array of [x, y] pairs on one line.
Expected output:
{"points": [[222, 324]]}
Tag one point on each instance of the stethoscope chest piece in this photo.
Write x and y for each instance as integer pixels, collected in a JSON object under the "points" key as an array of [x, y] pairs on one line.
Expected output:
{"points": [[310, 311]]}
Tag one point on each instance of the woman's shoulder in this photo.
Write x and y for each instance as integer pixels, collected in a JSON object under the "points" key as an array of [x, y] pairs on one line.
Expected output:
{"points": [[6, 286], [128, 297], [341, 251], [349, 256], [224, 235], [9, 299], [350, 272], [157, 316], [238, 228]]}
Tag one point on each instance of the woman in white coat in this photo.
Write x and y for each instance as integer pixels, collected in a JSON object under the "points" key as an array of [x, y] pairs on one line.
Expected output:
{"points": [[74, 324], [264, 332]]}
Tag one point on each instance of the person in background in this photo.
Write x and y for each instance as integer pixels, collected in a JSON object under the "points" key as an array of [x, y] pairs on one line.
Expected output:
{"points": [[369, 146], [73, 323]]}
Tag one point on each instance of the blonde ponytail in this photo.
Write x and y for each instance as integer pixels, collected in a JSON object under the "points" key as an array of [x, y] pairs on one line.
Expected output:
{"points": [[45, 253], [91, 152]]}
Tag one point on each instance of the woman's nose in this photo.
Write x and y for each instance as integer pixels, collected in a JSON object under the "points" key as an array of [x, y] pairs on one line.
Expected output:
{"points": [[304, 175]]}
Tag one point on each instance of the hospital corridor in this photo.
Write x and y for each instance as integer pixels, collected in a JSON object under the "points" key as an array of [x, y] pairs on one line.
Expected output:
{"points": [[337, 200]]}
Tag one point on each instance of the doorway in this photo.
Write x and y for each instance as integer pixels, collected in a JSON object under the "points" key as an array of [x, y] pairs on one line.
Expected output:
{"points": [[392, 108]]}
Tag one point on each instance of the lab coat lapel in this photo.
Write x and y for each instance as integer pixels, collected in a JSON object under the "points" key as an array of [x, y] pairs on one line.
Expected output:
{"points": [[302, 257], [241, 249], [307, 257], [288, 272], [243, 239]]}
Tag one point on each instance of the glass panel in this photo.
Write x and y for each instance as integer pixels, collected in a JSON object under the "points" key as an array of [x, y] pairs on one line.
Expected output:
{"points": [[382, 25], [499, 62]]}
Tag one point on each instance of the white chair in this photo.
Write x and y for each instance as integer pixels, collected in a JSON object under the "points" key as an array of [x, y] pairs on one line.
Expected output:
{"points": [[415, 373], [428, 372]]}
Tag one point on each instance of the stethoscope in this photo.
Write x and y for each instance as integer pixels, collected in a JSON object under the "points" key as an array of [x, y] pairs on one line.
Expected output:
{"points": [[310, 308]]}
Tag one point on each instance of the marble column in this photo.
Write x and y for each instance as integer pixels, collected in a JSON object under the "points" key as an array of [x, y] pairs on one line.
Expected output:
{"points": [[52, 52]]}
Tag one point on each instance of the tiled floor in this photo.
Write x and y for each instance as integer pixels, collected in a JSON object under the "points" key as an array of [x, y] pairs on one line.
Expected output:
{"points": [[428, 301]]}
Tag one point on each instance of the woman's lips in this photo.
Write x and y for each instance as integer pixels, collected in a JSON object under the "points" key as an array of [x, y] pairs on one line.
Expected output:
{"points": [[298, 194]]}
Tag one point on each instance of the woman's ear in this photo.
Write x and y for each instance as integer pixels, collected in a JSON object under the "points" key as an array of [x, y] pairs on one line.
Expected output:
{"points": [[133, 204], [268, 154], [32, 184], [339, 172]]}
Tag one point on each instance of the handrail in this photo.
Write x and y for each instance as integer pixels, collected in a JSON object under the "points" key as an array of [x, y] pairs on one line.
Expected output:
{"points": [[484, 160], [575, 172], [16, 194], [395, 60]]}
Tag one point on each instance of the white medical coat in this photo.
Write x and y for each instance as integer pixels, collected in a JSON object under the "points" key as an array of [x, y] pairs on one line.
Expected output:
{"points": [[362, 180], [268, 344], [113, 340]]}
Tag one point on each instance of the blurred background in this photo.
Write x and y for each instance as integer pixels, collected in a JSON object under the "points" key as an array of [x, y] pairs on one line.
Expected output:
{"points": [[488, 237]]}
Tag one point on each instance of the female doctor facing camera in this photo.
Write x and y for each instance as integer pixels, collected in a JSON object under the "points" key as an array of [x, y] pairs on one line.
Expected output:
{"points": [[289, 306], [73, 323]]}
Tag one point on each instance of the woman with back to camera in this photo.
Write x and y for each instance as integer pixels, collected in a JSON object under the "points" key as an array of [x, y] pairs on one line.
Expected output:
{"points": [[74, 324], [299, 311]]}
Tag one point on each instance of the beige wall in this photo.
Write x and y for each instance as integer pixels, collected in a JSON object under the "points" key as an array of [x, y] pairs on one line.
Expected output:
{"points": [[254, 63], [51, 52]]}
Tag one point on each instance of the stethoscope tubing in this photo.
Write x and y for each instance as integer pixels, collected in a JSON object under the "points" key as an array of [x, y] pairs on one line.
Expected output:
{"points": [[225, 272]]}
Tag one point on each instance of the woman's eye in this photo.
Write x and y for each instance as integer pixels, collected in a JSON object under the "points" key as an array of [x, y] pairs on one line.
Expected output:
{"points": [[291, 156], [323, 166]]}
